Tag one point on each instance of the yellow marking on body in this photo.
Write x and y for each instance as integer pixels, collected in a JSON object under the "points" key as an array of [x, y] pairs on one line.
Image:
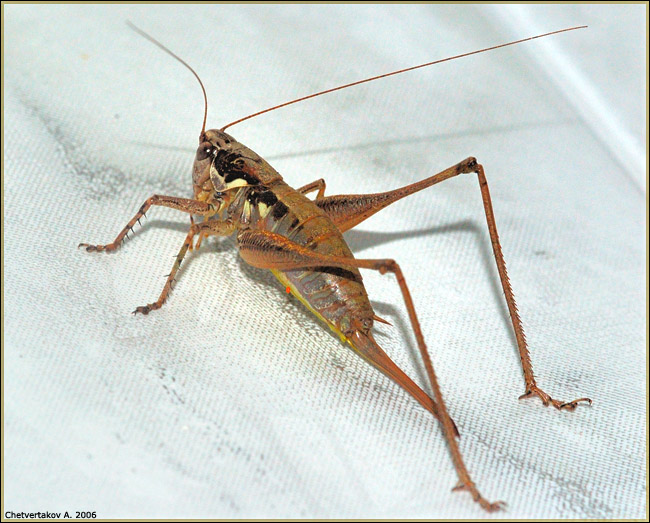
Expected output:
{"points": [[238, 182], [264, 209], [289, 286]]}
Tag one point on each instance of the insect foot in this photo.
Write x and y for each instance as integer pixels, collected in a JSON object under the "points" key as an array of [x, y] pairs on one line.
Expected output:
{"points": [[145, 309], [97, 248], [547, 400], [471, 488]]}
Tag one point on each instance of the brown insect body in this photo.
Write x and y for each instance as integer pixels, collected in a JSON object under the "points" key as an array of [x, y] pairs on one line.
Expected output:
{"points": [[250, 194]]}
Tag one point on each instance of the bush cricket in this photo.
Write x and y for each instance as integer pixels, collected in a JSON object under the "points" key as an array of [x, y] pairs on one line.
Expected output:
{"points": [[236, 192]]}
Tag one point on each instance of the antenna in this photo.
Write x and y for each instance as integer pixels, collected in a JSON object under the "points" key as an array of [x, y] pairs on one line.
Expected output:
{"points": [[394, 73], [156, 42]]}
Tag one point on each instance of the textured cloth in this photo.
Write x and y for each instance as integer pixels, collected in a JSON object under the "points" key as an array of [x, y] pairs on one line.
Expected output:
{"points": [[232, 400]]}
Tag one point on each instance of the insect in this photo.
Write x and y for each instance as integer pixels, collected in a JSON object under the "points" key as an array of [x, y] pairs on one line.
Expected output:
{"points": [[236, 192]]}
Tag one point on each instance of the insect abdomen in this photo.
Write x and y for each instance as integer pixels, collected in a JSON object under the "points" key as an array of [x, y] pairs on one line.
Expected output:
{"points": [[335, 295]]}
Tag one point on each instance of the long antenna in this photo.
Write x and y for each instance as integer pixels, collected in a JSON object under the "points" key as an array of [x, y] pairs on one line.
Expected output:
{"points": [[156, 42], [396, 72]]}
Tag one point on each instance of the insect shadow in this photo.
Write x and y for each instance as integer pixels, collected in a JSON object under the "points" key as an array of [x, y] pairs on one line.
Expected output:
{"points": [[409, 140], [358, 240]]}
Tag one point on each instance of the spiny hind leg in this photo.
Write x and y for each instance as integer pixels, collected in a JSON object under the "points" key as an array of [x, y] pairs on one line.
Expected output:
{"points": [[347, 211], [260, 249], [531, 384], [208, 228], [267, 250], [318, 185], [182, 204]]}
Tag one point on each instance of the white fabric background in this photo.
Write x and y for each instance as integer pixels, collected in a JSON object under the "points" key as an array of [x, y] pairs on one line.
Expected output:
{"points": [[232, 401]]}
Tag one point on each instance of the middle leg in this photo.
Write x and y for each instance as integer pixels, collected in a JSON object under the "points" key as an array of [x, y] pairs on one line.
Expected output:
{"points": [[207, 228], [318, 185]]}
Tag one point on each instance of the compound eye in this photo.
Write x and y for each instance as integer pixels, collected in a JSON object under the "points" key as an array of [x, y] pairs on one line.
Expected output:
{"points": [[205, 150]]}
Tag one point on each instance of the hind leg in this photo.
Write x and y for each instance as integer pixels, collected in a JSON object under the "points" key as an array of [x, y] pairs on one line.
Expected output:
{"points": [[267, 250], [347, 211]]}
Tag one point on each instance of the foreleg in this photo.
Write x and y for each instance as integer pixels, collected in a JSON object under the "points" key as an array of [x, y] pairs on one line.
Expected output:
{"points": [[182, 204]]}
